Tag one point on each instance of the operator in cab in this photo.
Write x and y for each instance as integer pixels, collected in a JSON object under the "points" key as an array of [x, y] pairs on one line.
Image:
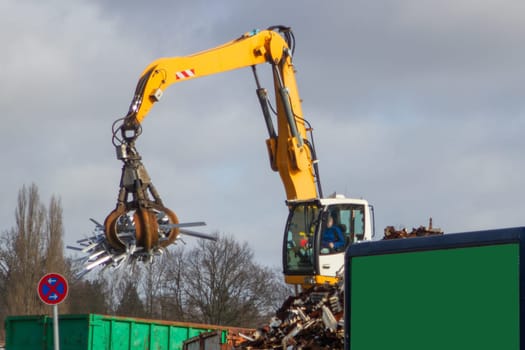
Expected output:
{"points": [[333, 239]]}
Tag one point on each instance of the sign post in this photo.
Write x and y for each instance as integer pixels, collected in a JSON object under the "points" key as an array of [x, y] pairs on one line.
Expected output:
{"points": [[52, 290]]}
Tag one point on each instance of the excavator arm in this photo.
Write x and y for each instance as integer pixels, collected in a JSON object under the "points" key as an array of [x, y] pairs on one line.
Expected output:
{"points": [[287, 149], [290, 152]]}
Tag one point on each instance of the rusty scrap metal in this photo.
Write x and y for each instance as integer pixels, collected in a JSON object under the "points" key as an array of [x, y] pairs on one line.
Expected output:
{"points": [[311, 320], [314, 319], [391, 233]]}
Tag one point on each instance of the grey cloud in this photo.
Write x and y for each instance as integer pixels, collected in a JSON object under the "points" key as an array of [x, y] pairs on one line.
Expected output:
{"points": [[416, 105]]}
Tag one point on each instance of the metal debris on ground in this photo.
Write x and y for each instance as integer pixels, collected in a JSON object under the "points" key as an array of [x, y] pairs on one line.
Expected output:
{"points": [[98, 252], [311, 320], [422, 231], [314, 319]]}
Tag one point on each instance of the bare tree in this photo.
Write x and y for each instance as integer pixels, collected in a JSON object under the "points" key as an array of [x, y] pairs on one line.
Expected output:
{"points": [[131, 304], [153, 280], [4, 274], [29, 250], [279, 290], [224, 286], [54, 253], [87, 297], [172, 299], [55, 261], [23, 257]]}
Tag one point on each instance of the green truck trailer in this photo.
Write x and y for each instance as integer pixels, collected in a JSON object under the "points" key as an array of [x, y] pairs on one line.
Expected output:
{"points": [[101, 332], [456, 291]]}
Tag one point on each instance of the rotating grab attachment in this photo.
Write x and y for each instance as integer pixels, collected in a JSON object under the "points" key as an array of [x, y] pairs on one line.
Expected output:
{"points": [[140, 218]]}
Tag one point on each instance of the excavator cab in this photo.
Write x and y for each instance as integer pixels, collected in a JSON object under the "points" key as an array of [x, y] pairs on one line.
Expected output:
{"points": [[307, 259]]}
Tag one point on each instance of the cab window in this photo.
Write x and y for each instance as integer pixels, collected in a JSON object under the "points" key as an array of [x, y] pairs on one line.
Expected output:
{"points": [[302, 224], [348, 219]]}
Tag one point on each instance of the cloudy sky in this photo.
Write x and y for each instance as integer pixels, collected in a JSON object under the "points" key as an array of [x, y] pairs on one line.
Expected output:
{"points": [[417, 106]]}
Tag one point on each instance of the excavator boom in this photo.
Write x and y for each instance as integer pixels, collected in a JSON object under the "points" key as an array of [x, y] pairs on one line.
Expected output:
{"points": [[289, 154], [250, 49]]}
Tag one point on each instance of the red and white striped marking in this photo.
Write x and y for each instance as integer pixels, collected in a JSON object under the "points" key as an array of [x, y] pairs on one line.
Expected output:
{"points": [[185, 74]]}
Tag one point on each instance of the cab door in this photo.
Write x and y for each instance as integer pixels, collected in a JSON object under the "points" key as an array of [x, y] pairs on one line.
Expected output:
{"points": [[350, 220]]}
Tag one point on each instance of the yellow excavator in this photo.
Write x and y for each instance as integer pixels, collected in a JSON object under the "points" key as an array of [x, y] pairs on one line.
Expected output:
{"points": [[307, 259]]}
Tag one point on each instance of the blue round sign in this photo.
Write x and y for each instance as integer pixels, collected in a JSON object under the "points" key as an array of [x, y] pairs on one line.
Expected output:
{"points": [[52, 288]]}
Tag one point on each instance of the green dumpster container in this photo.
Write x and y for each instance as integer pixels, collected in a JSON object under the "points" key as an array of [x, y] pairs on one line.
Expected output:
{"points": [[101, 332]]}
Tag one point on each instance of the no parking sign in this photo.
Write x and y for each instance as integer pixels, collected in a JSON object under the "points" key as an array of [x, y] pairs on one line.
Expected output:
{"points": [[52, 289]]}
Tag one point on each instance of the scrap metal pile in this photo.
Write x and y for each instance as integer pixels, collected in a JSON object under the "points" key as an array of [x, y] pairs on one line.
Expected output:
{"points": [[314, 319], [311, 320], [422, 231], [98, 251]]}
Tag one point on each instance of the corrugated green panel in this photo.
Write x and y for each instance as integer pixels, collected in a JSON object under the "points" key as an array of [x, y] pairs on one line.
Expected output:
{"points": [[141, 336], [121, 335], [159, 337], [97, 332], [177, 336]]}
